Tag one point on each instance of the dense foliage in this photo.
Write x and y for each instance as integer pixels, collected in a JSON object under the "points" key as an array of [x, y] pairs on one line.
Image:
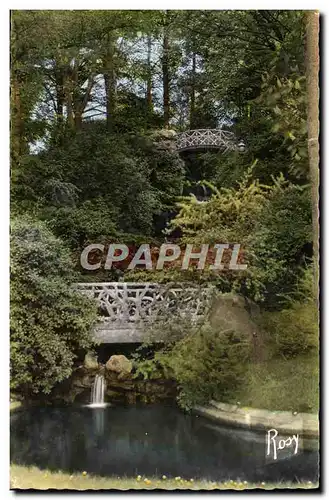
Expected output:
{"points": [[50, 321], [95, 185], [273, 225], [294, 329], [208, 364], [97, 98]]}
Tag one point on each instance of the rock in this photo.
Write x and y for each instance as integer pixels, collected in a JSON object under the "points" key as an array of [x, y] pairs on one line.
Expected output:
{"points": [[123, 380], [122, 387], [90, 361], [131, 398], [234, 312], [83, 381], [119, 364]]}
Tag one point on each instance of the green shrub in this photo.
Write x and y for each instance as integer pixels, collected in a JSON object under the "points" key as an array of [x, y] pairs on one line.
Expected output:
{"points": [[280, 243], [49, 321], [293, 331], [94, 183], [272, 223], [208, 364], [78, 226], [154, 368], [281, 384]]}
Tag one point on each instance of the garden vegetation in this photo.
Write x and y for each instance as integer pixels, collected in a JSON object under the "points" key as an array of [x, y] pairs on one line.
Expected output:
{"points": [[96, 97]]}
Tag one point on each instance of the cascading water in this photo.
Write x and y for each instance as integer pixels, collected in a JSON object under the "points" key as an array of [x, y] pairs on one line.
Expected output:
{"points": [[97, 392]]}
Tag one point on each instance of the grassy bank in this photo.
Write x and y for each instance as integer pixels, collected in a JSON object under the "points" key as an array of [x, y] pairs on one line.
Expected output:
{"points": [[34, 478], [279, 384]]}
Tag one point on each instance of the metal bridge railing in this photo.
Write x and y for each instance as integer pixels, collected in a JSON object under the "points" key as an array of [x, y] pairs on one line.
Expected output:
{"points": [[207, 138]]}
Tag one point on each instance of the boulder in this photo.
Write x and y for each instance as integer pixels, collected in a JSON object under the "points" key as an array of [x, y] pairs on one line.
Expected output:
{"points": [[234, 312], [230, 311], [121, 381], [90, 361], [83, 380], [119, 364]]}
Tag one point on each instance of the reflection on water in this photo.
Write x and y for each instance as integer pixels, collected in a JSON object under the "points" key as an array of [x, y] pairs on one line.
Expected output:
{"points": [[98, 416], [147, 440]]}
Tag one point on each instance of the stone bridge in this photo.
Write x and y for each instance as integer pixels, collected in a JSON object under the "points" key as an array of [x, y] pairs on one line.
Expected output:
{"points": [[127, 309]]}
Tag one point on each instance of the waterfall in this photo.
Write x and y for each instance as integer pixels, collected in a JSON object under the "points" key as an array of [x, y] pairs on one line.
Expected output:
{"points": [[97, 392]]}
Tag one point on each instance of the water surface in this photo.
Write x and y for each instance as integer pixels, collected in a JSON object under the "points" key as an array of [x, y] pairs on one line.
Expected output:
{"points": [[149, 440]]}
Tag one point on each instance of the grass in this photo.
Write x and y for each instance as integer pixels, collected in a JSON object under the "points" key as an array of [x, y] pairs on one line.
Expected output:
{"points": [[33, 478], [279, 384]]}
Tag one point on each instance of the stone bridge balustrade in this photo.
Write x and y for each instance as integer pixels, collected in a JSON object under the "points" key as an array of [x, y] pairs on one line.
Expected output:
{"points": [[126, 308]]}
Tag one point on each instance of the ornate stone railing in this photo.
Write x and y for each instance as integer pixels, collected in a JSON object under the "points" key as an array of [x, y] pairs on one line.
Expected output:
{"points": [[206, 138], [126, 309], [122, 303]]}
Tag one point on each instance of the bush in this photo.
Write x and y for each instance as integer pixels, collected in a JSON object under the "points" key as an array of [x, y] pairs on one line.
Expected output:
{"points": [[291, 355], [280, 244], [281, 384], [127, 178], [293, 331], [272, 224], [208, 364], [78, 226], [153, 368], [50, 321]]}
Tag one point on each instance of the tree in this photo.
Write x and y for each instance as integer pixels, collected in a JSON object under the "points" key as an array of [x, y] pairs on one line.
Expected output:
{"points": [[49, 321], [122, 179], [25, 79], [149, 76], [165, 74], [109, 78], [312, 68], [271, 223], [254, 79]]}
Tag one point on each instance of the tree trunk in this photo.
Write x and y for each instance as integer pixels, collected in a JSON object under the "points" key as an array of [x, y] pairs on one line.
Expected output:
{"points": [[76, 104], [59, 104], [110, 83], [60, 96], [192, 97], [312, 72], [78, 120], [69, 103], [18, 145], [81, 103], [149, 77], [165, 77]]}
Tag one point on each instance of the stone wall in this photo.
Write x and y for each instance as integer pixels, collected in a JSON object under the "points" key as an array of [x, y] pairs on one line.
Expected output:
{"points": [[306, 425]]}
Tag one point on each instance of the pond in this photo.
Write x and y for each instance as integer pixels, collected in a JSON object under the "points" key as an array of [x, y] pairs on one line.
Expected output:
{"points": [[149, 440]]}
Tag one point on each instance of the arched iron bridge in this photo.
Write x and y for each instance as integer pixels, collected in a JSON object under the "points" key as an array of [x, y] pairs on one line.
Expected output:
{"points": [[199, 139]]}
